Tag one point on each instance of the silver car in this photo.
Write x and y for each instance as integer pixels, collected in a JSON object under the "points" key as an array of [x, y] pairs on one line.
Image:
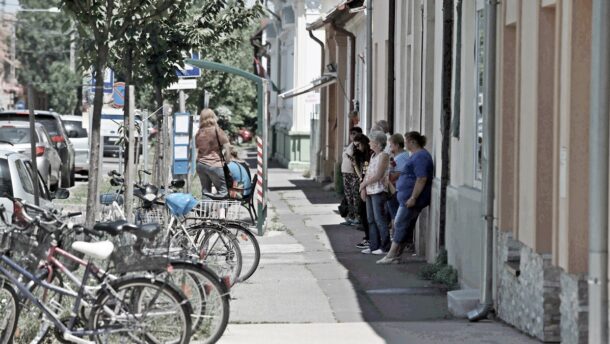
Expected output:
{"points": [[16, 180], [80, 140], [15, 136]]}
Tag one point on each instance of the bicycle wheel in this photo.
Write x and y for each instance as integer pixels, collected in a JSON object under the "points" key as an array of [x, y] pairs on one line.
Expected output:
{"points": [[32, 327], [250, 249], [209, 299], [9, 311], [141, 310], [219, 250]]}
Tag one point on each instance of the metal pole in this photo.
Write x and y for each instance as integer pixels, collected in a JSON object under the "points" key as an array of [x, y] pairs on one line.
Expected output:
{"points": [[72, 47], [489, 155], [369, 64], [181, 101], [13, 53], [145, 143], [33, 144], [130, 168], [598, 173]]}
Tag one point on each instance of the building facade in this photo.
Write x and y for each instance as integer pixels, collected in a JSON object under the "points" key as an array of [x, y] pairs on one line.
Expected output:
{"points": [[295, 61], [542, 95]]}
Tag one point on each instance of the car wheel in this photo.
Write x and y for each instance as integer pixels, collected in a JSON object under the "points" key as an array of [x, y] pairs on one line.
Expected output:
{"points": [[65, 177]]}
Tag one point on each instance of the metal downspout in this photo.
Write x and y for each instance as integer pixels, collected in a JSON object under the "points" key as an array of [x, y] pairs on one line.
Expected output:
{"points": [[598, 173], [369, 64], [486, 302], [322, 132]]}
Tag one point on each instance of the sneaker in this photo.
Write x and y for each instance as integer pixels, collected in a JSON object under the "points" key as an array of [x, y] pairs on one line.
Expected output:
{"points": [[379, 252], [363, 244], [366, 251], [354, 222], [386, 260]]}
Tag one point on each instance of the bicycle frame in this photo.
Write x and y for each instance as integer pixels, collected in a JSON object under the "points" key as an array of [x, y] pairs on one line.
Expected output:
{"points": [[54, 318]]}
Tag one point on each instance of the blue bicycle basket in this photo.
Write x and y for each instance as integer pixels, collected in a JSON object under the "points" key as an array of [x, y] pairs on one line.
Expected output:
{"points": [[180, 203]]}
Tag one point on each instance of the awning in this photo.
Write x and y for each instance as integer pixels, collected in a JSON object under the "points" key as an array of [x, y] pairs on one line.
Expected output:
{"points": [[324, 80], [334, 13]]}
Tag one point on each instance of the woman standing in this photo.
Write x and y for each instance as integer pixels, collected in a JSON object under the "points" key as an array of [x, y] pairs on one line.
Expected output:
{"points": [[414, 189], [351, 181], [375, 190], [362, 157], [211, 140]]}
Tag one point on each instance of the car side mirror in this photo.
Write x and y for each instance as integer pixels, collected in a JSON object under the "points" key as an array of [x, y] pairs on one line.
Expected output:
{"points": [[60, 194]]}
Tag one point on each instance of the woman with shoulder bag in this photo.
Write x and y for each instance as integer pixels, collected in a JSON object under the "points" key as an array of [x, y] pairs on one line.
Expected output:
{"points": [[213, 149]]}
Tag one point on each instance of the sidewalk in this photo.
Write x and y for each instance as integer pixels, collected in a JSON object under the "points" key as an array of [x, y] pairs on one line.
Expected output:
{"points": [[314, 286]]}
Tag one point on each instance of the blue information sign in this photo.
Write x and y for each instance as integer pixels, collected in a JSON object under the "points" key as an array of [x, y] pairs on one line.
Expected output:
{"points": [[182, 143], [190, 71]]}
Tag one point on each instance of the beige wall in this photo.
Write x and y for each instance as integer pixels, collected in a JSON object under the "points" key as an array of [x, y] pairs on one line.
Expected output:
{"points": [[380, 60], [544, 78]]}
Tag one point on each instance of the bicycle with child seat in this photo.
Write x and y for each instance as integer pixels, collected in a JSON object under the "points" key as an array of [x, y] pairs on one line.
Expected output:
{"points": [[211, 243], [208, 297], [136, 308]]}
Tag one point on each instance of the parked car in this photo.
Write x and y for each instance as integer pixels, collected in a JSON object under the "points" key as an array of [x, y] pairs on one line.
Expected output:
{"points": [[16, 180], [80, 140], [15, 136], [56, 130], [244, 135]]}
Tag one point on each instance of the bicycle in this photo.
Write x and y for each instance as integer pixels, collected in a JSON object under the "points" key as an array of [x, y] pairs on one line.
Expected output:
{"points": [[130, 306]]}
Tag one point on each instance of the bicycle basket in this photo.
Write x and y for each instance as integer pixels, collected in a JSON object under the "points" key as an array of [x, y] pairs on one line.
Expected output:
{"points": [[210, 209], [149, 215], [131, 255]]}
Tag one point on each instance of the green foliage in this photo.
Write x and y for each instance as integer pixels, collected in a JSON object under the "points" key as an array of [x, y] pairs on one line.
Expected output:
{"points": [[447, 275], [43, 49], [60, 87], [233, 92], [440, 271]]}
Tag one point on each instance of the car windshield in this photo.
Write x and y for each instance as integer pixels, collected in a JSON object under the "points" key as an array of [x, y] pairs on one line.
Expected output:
{"points": [[49, 122], [6, 186], [14, 135], [75, 129]]}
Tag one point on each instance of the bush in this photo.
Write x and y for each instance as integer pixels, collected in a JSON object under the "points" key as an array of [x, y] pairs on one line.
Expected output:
{"points": [[440, 272], [447, 275]]}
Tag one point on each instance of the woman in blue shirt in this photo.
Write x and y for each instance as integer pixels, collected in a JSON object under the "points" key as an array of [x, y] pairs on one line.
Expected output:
{"points": [[414, 191]]}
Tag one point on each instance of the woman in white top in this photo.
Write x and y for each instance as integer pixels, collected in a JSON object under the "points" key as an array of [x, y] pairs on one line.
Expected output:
{"points": [[373, 188], [351, 180]]}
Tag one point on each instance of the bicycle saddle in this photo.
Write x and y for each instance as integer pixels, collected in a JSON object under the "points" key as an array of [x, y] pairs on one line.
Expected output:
{"points": [[147, 231], [113, 228]]}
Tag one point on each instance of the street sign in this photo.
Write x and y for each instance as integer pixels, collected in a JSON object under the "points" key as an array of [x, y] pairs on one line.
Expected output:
{"points": [[108, 80], [182, 142], [190, 71], [118, 95], [184, 84]]}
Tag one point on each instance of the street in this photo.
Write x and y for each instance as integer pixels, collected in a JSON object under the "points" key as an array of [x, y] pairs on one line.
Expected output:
{"points": [[314, 286]]}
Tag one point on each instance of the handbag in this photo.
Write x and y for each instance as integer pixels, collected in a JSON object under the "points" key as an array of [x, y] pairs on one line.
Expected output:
{"points": [[225, 166]]}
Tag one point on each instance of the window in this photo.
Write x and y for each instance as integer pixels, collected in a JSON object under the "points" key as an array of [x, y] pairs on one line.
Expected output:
{"points": [[75, 129], [42, 188], [479, 100], [6, 185], [24, 177]]}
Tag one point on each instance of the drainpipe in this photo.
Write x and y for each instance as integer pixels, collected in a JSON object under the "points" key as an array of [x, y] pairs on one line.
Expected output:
{"points": [[486, 302], [447, 66], [322, 132], [369, 64], [598, 173], [391, 73], [352, 62]]}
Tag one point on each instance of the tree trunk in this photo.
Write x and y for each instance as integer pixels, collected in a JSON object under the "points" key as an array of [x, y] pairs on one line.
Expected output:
{"points": [[96, 119], [128, 65], [78, 108]]}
